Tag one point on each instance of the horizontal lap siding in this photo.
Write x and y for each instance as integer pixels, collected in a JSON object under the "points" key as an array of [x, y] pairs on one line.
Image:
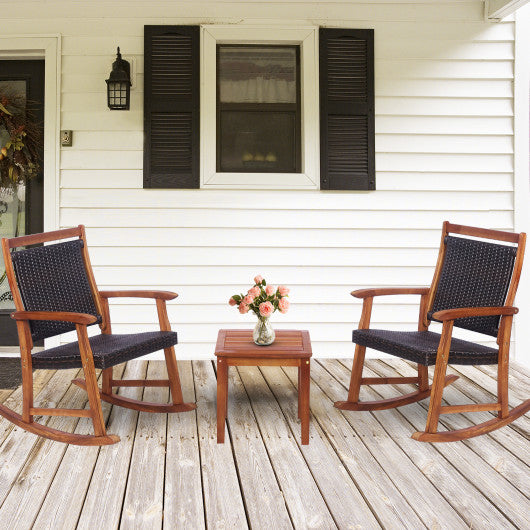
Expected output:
{"points": [[444, 150]]}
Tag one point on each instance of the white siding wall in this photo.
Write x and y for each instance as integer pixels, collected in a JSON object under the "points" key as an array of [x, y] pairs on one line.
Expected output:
{"points": [[444, 143]]}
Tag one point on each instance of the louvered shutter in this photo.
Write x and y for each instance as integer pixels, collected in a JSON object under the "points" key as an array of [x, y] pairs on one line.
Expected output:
{"points": [[347, 138], [171, 107]]}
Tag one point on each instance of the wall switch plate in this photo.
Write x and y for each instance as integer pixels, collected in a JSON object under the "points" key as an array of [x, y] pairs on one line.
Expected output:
{"points": [[66, 138]]}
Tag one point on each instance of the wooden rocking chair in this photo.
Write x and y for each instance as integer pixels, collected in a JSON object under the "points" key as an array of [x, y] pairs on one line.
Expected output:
{"points": [[54, 292], [474, 287]]}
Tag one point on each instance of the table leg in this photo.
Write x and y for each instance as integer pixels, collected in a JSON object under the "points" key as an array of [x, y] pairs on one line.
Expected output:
{"points": [[303, 395], [299, 392], [222, 398]]}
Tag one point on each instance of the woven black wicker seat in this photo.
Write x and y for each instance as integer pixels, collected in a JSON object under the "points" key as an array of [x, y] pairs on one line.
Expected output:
{"points": [[107, 350], [422, 346], [473, 288], [55, 292]]}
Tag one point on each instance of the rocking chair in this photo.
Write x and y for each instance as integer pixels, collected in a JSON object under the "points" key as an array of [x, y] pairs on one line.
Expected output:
{"points": [[473, 288], [54, 292]]}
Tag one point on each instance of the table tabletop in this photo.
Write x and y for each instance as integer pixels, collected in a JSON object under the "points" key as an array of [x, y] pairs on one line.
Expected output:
{"points": [[239, 343]]}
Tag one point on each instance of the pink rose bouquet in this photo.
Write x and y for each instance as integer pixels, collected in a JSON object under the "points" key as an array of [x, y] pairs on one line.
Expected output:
{"points": [[262, 299]]}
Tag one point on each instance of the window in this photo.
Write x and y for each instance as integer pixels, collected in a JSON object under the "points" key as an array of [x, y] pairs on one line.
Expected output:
{"points": [[240, 144], [307, 123], [258, 109]]}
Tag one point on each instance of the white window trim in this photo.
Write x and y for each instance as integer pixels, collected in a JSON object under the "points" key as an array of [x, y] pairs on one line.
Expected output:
{"points": [[307, 38]]}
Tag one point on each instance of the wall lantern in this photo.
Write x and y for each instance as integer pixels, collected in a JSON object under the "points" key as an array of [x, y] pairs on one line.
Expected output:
{"points": [[119, 84]]}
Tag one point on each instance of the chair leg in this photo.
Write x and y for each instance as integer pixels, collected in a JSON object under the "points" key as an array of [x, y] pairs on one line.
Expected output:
{"points": [[173, 375], [423, 377], [439, 378], [106, 384], [27, 390], [91, 382], [435, 403], [502, 385], [356, 374]]}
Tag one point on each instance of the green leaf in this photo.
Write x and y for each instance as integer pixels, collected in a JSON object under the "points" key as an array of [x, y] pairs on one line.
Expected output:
{"points": [[264, 283]]}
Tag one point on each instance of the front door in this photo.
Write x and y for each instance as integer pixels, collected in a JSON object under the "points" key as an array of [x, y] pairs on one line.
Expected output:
{"points": [[22, 212]]}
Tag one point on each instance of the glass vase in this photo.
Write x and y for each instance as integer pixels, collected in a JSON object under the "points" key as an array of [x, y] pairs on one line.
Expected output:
{"points": [[263, 334]]}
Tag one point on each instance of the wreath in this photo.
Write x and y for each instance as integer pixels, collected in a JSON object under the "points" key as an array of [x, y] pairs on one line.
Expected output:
{"points": [[20, 143]]}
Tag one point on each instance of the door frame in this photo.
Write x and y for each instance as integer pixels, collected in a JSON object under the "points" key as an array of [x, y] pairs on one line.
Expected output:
{"points": [[47, 47]]}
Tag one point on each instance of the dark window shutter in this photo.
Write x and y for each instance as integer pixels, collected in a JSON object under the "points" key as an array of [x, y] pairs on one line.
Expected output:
{"points": [[171, 107], [347, 136]]}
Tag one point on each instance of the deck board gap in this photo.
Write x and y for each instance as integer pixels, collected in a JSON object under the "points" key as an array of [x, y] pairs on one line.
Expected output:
{"points": [[198, 438]]}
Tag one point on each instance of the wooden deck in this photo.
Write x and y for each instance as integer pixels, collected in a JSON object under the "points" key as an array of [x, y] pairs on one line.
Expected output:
{"points": [[360, 470]]}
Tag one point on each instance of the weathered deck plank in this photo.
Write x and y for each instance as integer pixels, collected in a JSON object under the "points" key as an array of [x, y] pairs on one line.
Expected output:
{"points": [[478, 380], [33, 482], [406, 477], [473, 506], [14, 399], [344, 499], [5, 393], [72, 478], [489, 481], [183, 504], [306, 505], [104, 498], [265, 504], [521, 388], [144, 497], [360, 469], [21, 446], [503, 449], [223, 499]]}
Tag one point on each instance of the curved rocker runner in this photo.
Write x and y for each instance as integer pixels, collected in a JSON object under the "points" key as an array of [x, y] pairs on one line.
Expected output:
{"points": [[46, 307], [474, 288]]}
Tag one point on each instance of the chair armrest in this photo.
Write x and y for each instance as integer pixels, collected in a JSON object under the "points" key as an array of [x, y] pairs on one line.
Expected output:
{"points": [[464, 312], [384, 291], [61, 316], [157, 295]]}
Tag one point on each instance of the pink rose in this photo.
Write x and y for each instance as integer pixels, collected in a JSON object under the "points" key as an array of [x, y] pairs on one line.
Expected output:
{"points": [[232, 301], [283, 305], [258, 279], [255, 291], [243, 308], [284, 291], [266, 309], [270, 289], [248, 299]]}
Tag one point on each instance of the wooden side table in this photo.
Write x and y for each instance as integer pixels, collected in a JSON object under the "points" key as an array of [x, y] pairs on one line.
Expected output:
{"points": [[236, 348]]}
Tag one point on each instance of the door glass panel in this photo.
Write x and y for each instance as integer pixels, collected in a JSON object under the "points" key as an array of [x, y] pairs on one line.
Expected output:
{"points": [[12, 203]]}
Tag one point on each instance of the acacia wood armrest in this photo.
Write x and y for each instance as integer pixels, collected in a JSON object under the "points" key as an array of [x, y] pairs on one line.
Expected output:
{"points": [[61, 316], [464, 312], [157, 295], [384, 291]]}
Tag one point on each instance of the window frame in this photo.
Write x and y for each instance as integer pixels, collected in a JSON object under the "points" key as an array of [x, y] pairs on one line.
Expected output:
{"points": [[307, 39]]}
